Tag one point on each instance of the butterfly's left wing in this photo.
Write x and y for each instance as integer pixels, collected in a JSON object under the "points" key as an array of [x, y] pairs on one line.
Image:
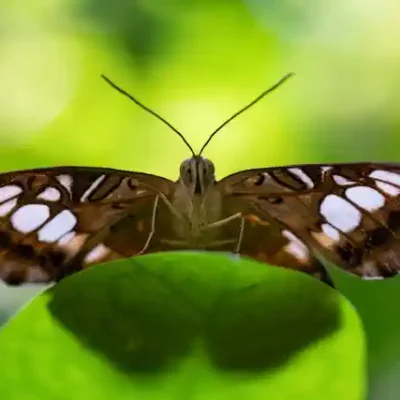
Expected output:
{"points": [[56, 221], [349, 213]]}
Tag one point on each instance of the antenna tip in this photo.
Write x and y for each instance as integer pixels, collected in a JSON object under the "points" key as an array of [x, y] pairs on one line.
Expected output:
{"points": [[288, 75]]}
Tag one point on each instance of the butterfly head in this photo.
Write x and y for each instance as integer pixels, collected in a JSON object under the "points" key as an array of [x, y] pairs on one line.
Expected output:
{"points": [[197, 174]]}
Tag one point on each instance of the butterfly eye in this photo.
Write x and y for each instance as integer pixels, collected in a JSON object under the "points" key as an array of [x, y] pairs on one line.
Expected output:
{"points": [[189, 171]]}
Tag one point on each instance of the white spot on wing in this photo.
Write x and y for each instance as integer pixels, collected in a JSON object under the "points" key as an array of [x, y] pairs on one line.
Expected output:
{"points": [[66, 238], [325, 169], [295, 246], [50, 194], [7, 207], [27, 218], [66, 181], [267, 176], [342, 181], [339, 213], [6, 192], [331, 232], [92, 187], [324, 240], [97, 253], [388, 188], [57, 227], [365, 197], [390, 177], [73, 242], [302, 176]]}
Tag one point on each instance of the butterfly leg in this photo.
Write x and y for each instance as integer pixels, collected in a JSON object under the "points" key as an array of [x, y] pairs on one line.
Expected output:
{"points": [[173, 210], [153, 226], [227, 220], [153, 218]]}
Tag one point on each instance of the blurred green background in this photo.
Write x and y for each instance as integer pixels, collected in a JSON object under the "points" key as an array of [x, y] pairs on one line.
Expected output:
{"points": [[196, 62]]}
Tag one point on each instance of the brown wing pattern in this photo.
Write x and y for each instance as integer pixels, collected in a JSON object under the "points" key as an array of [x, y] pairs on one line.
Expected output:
{"points": [[349, 213], [56, 221]]}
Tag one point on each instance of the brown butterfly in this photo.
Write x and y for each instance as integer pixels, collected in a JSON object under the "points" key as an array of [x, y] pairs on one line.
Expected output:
{"points": [[56, 221]]}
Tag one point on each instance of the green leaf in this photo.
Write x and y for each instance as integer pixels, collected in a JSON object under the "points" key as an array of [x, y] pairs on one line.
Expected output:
{"points": [[184, 326]]}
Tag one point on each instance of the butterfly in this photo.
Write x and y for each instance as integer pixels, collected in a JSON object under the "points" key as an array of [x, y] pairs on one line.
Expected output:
{"points": [[57, 221]]}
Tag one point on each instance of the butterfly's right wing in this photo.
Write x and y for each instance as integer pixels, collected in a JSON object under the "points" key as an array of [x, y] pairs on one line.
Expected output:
{"points": [[349, 213], [56, 221]]}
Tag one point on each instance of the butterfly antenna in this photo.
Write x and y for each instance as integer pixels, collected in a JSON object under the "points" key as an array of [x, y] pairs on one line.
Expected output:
{"points": [[149, 111], [242, 110]]}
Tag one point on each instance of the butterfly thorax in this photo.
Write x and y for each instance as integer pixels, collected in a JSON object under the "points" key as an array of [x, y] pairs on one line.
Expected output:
{"points": [[197, 201]]}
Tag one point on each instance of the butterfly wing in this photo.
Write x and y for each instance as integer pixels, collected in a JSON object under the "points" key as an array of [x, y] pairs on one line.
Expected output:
{"points": [[56, 221], [348, 213]]}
